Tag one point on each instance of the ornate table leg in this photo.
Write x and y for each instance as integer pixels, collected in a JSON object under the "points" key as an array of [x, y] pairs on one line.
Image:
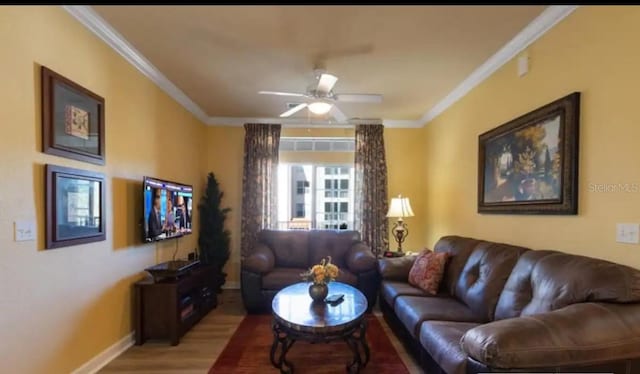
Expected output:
{"points": [[355, 365], [355, 340], [280, 337], [363, 341]]}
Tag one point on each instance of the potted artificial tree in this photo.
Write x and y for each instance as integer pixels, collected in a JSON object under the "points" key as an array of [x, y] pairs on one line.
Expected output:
{"points": [[213, 238]]}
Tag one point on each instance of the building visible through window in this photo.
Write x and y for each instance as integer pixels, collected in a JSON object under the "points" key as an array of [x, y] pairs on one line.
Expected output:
{"points": [[321, 195]]}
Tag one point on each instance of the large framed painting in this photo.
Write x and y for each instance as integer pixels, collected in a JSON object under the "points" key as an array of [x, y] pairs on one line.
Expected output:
{"points": [[530, 165], [74, 206], [72, 119]]}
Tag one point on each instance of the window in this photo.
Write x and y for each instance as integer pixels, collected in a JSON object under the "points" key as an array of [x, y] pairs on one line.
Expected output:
{"points": [[299, 210], [300, 187], [319, 194]]}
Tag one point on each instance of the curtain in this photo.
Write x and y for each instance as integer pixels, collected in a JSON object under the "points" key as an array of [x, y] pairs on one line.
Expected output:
{"points": [[259, 182], [371, 186]]}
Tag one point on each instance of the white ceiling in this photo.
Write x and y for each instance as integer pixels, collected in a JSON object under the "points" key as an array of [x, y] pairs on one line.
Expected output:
{"points": [[214, 59]]}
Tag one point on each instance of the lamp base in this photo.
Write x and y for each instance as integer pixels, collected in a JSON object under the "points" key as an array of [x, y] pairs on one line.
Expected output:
{"points": [[400, 233]]}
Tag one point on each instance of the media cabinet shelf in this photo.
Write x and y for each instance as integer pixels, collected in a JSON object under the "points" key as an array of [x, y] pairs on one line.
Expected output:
{"points": [[160, 305]]}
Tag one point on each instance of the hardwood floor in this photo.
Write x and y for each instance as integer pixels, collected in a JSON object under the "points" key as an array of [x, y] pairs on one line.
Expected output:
{"points": [[201, 346]]}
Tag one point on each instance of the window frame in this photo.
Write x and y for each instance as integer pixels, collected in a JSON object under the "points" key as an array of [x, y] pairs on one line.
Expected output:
{"points": [[314, 191]]}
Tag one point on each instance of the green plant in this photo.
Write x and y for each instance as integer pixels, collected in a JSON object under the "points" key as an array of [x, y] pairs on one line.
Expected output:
{"points": [[213, 238]]}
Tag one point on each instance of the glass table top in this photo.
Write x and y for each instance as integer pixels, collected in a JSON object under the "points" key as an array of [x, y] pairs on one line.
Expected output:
{"points": [[294, 306]]}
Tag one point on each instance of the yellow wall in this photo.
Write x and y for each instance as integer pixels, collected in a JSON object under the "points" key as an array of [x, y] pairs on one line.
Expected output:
{"points": [[59, 308], [225, 159], [225, 152], [405, 167], [592, 51]]}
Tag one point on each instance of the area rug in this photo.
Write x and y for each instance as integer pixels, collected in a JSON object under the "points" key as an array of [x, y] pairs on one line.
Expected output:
{"points": [[248, 352]]}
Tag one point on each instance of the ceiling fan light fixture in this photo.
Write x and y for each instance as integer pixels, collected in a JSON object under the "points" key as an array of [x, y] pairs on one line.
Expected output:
{"points": [[320, 107]]}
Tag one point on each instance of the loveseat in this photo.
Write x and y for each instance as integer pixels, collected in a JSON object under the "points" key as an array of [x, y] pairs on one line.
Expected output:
{"points": [[504, 308], [280, 256]]}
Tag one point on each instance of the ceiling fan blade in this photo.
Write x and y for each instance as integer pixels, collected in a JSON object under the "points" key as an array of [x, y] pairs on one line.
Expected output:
{"points": [[360, 98], [281, 93], [338, 114], [326, 82], [293, 110]]}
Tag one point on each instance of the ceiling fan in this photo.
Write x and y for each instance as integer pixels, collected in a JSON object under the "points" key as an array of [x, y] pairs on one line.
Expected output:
{"points": [[321, 99]]}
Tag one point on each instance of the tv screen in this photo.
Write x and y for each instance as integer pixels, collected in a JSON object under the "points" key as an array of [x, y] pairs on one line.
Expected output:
{"points": [[167, 209]]}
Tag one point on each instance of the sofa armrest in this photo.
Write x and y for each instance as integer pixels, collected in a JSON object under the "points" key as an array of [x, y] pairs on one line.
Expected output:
{"points": [[260, 261], [396, 268], [575, 335], [360, 258]]}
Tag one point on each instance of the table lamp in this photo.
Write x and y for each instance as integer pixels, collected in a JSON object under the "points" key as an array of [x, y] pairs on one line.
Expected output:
{"points": [[400, 208]]}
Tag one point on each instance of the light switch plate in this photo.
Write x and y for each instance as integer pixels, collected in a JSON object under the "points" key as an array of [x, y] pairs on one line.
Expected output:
{"points": [[24, 230], [628, 233]]}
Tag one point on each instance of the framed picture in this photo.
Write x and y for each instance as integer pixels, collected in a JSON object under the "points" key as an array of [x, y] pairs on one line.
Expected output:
{"points": [[74, 205], [530, 164], [72, 119]]}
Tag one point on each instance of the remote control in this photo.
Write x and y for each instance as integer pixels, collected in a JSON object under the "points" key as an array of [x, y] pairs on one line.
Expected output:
{"points": [[334, 298]]}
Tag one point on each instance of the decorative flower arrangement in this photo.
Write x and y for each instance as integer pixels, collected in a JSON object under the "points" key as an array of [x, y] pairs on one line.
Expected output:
{"points": [[322, 273]]}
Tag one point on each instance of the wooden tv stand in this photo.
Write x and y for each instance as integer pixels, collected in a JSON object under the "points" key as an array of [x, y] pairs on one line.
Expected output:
{"points": [[168, 308]]}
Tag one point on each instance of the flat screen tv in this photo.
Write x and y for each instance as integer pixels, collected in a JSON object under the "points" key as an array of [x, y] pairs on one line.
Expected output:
{"points": [[167, 209]]}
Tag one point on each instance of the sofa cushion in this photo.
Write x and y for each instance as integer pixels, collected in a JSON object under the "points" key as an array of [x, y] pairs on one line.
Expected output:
{"points": [[427, 270], [395, 268], [484, 276], [290, 248], [442, 340], [578, 335], [261, 260], [280, 278], [347, 277], [560, 279], [413, 310], [392, 289], [323, 243], [459, 249], [518, 291]]}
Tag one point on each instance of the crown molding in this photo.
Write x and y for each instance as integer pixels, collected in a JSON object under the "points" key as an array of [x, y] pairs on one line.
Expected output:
{"points": [[534, 30], [402, 124], [96, 24], [298, 122]]}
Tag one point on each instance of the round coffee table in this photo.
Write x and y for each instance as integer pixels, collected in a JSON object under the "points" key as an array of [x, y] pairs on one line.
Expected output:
{"points": [[297, 317]]}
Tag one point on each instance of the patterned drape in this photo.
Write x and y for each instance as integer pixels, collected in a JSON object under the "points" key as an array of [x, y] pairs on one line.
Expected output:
{"points": [[259, 182], [371, 186]]}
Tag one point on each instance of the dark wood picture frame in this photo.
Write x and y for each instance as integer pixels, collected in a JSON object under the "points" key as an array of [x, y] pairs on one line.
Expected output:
{"points": [[72, 131], [529, 165], [93, 228]]}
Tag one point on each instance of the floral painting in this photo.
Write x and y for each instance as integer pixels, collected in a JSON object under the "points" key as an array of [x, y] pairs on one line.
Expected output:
{"points": [[529, 165], [525, 164]]}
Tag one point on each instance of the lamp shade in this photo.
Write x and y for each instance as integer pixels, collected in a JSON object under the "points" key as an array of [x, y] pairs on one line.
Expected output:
{"points": [[319, 107], [400, 207]]}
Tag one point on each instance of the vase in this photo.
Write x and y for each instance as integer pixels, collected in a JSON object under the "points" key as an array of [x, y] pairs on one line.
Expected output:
{"points": [[318, 291]]}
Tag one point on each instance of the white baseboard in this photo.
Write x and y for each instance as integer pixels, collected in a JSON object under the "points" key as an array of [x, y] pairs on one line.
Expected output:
{"points": [[106, 356], [231, 285]]}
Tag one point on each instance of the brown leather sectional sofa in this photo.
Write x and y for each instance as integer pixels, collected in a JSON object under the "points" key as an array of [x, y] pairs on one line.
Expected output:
{"points": [[504, 308], [279, 257]]}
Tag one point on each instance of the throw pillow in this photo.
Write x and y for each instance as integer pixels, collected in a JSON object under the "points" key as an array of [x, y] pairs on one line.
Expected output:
{"points": [[427, 270]]}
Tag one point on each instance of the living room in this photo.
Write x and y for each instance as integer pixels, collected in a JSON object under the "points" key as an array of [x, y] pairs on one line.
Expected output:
{"points": [[82, 297]]}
